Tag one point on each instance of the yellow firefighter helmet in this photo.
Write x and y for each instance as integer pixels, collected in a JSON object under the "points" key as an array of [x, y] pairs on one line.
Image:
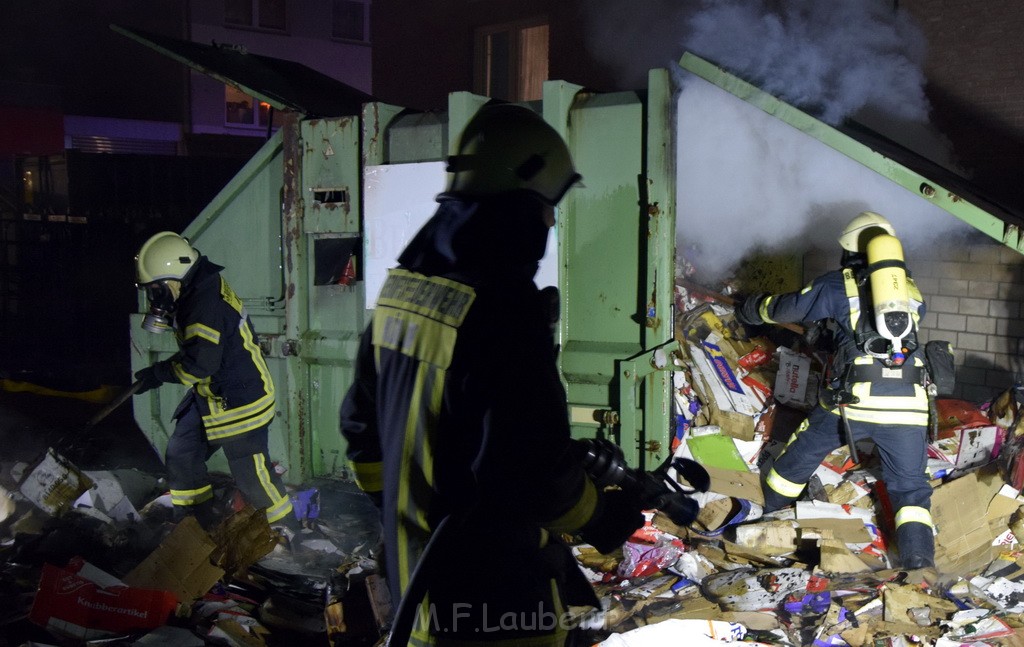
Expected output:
{"points": [[164, 256], [506, 147], [861, 229]]}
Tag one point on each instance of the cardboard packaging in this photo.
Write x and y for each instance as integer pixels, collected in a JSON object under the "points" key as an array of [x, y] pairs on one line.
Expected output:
{"points": [[969, 448], [83, 602], [964, 541], [181, 563], [796, 384], [117, 493]]}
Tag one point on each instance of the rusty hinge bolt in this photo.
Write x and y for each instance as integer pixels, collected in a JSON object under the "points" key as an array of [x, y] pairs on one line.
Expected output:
{"points": [[606, 417]]}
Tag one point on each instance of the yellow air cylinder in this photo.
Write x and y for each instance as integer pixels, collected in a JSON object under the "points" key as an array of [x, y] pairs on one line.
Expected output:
{"points": [[889, 293]]}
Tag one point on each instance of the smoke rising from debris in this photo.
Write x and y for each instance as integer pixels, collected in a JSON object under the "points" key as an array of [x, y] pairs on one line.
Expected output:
{"points": [[748, 181], [829, 58]]}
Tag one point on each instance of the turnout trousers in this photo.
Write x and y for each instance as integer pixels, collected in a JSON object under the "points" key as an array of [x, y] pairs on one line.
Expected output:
{"points": [[903, 453], [187, 452]]}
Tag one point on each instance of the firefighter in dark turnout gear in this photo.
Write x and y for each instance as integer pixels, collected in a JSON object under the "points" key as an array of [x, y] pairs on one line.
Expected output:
{"points": [[231, 401], [872, 389], [458, 415]]}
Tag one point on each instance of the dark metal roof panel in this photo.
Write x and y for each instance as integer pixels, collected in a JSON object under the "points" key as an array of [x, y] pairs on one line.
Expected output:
{"points": [[285, 85]]}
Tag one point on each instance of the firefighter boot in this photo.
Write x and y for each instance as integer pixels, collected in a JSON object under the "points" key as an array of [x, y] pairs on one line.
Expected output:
{"points": [[916, 545], [772, 500], [204, 513]]}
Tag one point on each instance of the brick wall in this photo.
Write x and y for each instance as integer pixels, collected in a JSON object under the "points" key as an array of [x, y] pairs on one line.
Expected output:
{"points": [[975, 71], [974, 295]]}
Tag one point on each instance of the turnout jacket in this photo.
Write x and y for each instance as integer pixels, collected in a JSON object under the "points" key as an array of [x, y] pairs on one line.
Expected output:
{"points": [[895, 396], [218, 357], [458, 409]]}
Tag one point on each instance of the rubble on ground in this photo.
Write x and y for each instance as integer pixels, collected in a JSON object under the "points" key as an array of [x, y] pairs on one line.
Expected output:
{"points": [[822, 572], [91, 556]]}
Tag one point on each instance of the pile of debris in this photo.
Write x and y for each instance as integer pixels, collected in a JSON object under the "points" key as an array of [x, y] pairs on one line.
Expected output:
{"points": [[91, 556], [821, 572]]}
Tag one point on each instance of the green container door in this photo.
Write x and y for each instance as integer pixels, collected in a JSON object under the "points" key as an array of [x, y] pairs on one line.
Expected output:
{"points": [[616, 254]]}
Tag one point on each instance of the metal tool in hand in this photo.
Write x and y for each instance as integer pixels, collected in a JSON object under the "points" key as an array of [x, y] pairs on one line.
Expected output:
{"points": [[605, 463], [71, 441]]}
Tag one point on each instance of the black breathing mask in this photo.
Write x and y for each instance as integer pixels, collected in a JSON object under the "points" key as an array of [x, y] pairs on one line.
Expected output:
{"points": [[160, 317]]}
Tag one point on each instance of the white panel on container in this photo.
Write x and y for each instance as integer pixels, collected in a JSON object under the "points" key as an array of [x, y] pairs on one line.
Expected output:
{"points": [[398, 199]]}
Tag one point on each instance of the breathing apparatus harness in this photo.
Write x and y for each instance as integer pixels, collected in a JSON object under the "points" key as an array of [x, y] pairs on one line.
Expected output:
{"points": [[882, 320], [881, 316]]}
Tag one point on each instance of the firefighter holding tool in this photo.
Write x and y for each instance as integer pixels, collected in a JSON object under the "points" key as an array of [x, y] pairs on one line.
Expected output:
{"points": [[457, 421], [876, 382], [230, 404]]}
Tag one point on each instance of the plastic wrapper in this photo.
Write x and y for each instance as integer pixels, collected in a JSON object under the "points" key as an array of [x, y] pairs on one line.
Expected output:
{"points": [[643, 560]]}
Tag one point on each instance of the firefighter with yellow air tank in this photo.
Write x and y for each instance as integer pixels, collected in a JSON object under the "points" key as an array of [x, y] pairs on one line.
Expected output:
{"points": [[876, 382]]}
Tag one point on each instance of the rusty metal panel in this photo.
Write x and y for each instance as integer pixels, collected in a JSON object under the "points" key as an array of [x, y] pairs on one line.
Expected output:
{"points": [[325, 318]]}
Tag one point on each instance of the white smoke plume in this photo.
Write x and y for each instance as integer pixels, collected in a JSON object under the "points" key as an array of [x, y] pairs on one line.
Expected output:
{"points": [[749, 182], [831, 58]]}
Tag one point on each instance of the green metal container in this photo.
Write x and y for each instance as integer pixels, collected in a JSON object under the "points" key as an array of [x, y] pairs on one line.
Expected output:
{"points": [[313, 203]]}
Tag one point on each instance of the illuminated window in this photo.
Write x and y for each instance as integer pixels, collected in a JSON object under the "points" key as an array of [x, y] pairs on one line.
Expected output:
{"points": [[263, 14], [240, 109], [512, 60], [350, 20]]}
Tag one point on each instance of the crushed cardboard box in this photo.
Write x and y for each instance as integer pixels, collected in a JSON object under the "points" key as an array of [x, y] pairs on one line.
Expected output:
{"points": [[180, 564], [241, 540], [964, 541]]}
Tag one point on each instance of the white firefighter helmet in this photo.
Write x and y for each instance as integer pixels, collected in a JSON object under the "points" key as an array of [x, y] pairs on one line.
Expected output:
{"points": [[164, 256], [853, 238], [506, 147]]}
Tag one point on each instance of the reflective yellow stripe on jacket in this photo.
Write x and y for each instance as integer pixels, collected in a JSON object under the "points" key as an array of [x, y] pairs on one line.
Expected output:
{"points": [[223, 423], [418, 317], [369, 476]]}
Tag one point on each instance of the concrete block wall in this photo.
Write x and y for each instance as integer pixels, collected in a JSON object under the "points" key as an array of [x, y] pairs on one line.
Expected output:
{"points": [[974, 295]]}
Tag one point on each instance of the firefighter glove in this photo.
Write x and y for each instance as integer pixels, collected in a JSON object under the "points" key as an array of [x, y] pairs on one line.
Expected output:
{"points": [[748, 310], [148, 379], [617, 517]]}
